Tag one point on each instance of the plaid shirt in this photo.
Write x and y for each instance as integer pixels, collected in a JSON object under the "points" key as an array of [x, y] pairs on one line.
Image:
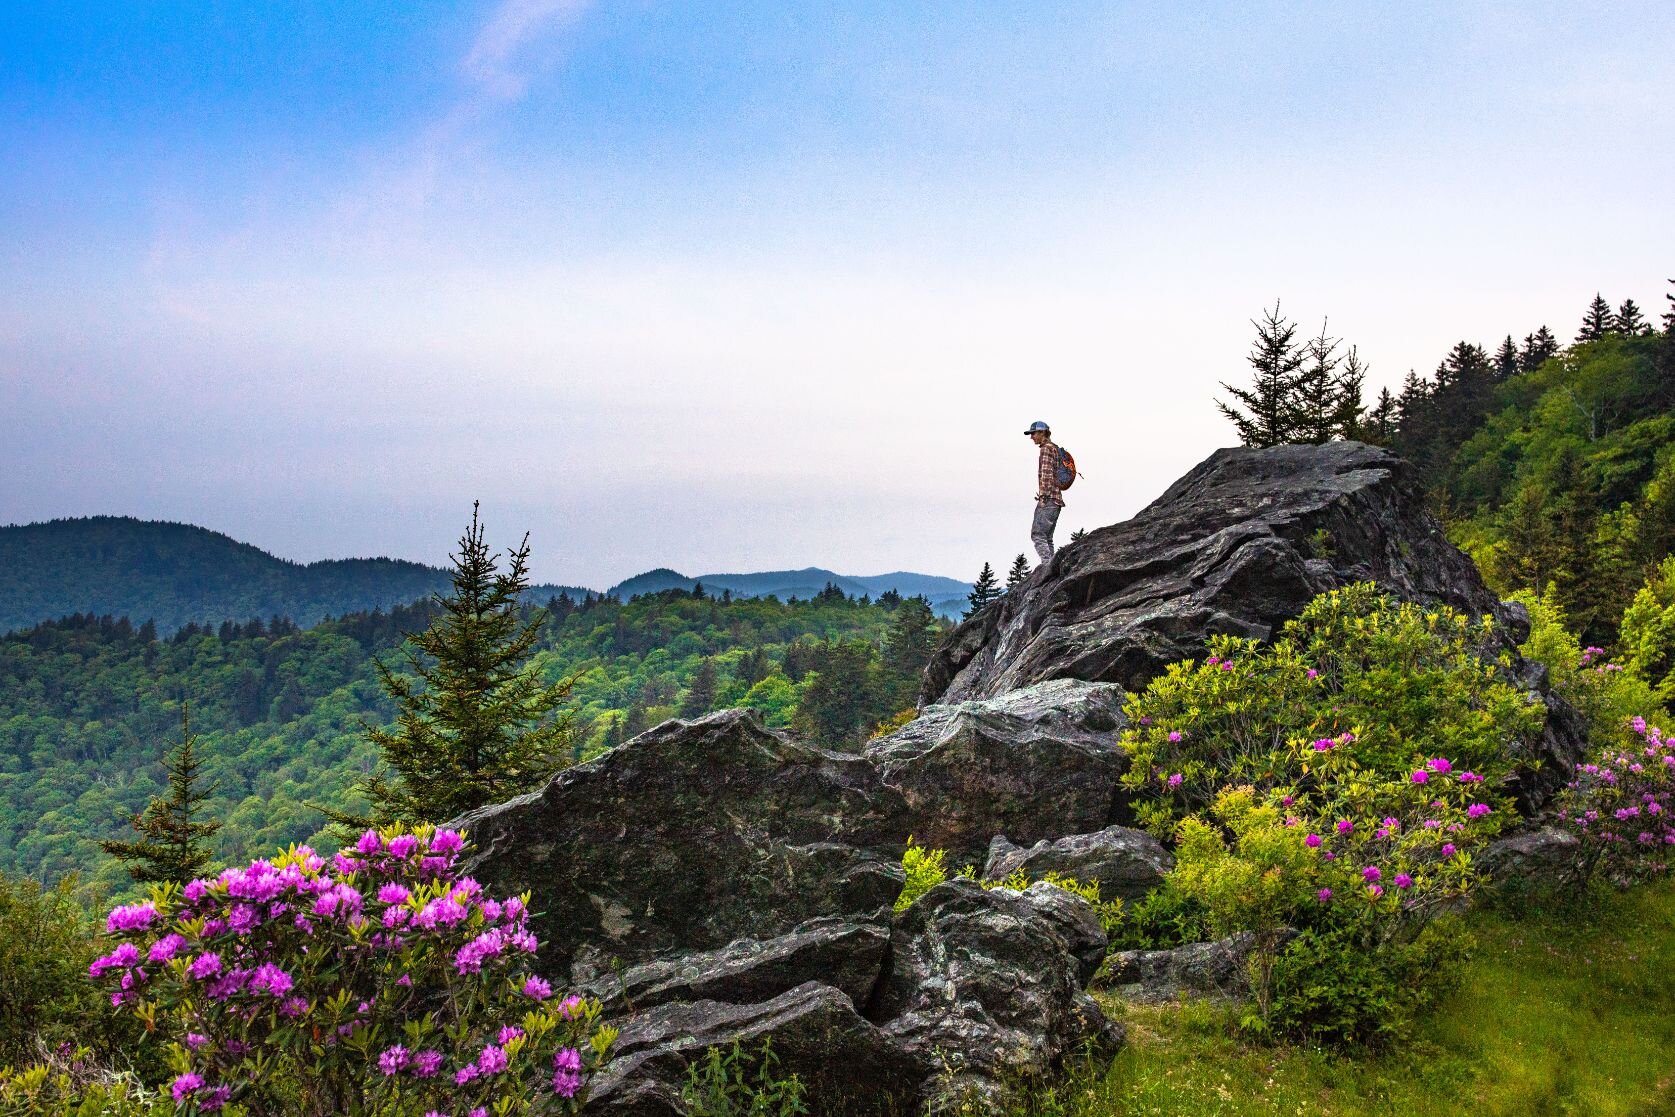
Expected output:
{"points": [[1047, 475]]}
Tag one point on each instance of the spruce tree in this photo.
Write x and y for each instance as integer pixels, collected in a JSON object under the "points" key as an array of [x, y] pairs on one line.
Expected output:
{"points": [[1381, 422], [700, 693], [614, 731], [1507, 364], [1269, 407], [637, 722], [1314, 392], [907, 648], [1629, 321], [1019, 571], [1669, 315], [1598, 322], [1349, 413], [173, 843], [475, 723], [986, 589], [1539, 347], [1078, 535]]}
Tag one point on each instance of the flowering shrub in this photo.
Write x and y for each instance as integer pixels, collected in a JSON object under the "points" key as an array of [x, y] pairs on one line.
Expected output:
{"points": [[377, 984], [1619, 804], [1328, 791], [1389, 683], [1607, 694]]}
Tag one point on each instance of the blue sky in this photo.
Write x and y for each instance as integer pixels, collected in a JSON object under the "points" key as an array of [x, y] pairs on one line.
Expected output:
{"points": [[739, 286]]}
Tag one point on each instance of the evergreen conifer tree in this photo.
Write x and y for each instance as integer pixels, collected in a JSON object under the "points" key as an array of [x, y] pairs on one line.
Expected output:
{"points": [[1669, 315], [1507, 364], [986, 589], [637, 721], [700, 693], [907, 648], [1265, 414], [1629, 321], [1314, 393], [1598, 322], [1078, 535], [173, 843], [475, 723], [1019, 571], [615, 733], [1349, 412], [1539, 347], [1381, 422]]}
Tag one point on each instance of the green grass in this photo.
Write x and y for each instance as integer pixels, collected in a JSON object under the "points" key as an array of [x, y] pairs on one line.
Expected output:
{"points": [[1558, 1012]]}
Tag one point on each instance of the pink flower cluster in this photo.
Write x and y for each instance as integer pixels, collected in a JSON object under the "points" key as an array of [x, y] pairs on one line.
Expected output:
{"points": [[1620, 804], [270, 946]]}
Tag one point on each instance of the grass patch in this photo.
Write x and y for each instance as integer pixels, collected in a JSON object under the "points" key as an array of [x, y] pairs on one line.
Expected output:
{"points": [[1559, 1012]]}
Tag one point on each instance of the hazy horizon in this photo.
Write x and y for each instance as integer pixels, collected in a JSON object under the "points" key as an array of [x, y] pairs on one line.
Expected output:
{"points": [[734, 288]]}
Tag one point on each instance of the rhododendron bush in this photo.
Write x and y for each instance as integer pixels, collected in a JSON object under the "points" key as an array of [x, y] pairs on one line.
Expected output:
{"points": [[1620, 804], [1335, 783], [376, 983]]}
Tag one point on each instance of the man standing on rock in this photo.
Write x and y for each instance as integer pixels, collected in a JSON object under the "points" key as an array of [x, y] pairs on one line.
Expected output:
{"points": [[1049, 498]]}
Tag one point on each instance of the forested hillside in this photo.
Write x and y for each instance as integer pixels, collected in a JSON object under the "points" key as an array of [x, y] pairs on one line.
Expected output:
{"points": [[1553, 465], [88, 705], [946, 595], [173, 574]]}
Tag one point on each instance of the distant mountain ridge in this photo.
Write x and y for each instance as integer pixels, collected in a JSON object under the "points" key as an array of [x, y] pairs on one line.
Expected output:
{"points": [[944, 594], [174, 574]]}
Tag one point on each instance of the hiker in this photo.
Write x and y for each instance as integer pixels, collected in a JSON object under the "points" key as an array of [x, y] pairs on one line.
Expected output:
{"points": [[1049, 498]]}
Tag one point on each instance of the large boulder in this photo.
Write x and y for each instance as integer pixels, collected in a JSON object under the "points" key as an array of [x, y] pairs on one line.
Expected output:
{"points": [[1218, 971], [1238, 545], [1126, 864], [986, 987], [1039, 762], [690, 838], [847, 1065], [844, 953]]}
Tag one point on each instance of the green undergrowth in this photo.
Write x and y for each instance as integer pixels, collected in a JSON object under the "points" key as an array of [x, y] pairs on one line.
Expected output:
{"points": [[1558, 1012]]}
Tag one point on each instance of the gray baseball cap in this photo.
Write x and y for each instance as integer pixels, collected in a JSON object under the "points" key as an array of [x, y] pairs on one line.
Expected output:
{"points": [[1038, 425]]}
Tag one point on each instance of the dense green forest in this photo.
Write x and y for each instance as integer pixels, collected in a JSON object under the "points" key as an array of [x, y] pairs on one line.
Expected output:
{"points": [[174, 574], [1550, 464], [1553, 466], [89, 705]]}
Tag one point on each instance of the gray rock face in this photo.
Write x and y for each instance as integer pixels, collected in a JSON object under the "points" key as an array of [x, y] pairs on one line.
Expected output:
{"points": [[689, 838], [712, 881], [1545, 855], [985, 986], [1035, 763], [1216, 970], [844, 954], [1230, 548], [1239, 545], [847, 1065], [1126, 864]]}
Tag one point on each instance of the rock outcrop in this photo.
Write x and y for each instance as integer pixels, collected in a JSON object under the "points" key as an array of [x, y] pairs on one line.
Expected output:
{"points": [[713, 881], [1239, 545], [847, 1065], [1213, 970], [695, 836], [1126, 864], [987, 986], [1038, 762]]}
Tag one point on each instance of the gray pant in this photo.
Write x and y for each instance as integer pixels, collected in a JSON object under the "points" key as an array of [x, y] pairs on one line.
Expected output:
{"points": [[1041, 527]]}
